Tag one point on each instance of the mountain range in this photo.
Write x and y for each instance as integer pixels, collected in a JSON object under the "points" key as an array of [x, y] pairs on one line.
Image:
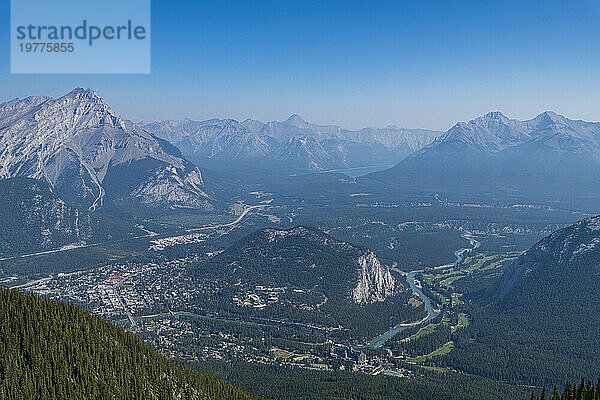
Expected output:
{"points": [[549, 157], [90, 156], [293, 145]]}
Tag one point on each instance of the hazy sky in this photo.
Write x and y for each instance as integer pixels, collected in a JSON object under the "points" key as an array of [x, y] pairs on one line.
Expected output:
{"points": [[353, 63]]}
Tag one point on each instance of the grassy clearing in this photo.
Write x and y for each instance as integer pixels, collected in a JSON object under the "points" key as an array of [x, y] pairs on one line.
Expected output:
{"points": [[480, 262], [426, 330], [448, 281], [280, 353], [447, 274], [445, 349], [499, 263], [443, 300], [463, 322], [456, 301], [428, 278], [445, 319], [414, 302], [490, 262]]}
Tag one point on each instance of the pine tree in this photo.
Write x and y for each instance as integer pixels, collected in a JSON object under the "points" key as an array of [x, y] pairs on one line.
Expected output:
{"points": [[51, 350]]}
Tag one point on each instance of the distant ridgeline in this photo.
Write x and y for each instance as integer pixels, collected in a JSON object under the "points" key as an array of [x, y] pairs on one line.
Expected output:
{"points": [[51, 350], [549, 158]]}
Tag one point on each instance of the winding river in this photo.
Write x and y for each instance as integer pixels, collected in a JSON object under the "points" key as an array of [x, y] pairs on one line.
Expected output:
{"points": [[459, 253], [432, 313]]}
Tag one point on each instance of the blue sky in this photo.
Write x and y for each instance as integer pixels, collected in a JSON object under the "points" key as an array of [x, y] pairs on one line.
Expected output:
{"points": [[353, 63]]}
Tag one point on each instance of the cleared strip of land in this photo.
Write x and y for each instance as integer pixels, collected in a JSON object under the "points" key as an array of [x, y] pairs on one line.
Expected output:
{"points": [[445, 349]]}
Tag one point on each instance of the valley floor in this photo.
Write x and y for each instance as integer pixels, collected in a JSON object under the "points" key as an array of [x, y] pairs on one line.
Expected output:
{"points": [[146, 286]]}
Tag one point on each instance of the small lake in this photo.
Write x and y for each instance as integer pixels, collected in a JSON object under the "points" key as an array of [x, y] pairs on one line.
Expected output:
{"points": [[361, 171]]}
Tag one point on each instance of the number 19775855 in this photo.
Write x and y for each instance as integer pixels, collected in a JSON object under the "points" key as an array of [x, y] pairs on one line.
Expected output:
{"points": [[46, 47]]}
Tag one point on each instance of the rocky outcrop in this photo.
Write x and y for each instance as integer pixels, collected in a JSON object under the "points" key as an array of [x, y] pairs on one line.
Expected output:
{"points": [[375, 282]]}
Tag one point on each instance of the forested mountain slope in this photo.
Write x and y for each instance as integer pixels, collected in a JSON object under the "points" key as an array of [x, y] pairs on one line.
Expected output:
{"points": [[52, 350], [540, 324], [585, 390], [33, 218], [321, 280]]}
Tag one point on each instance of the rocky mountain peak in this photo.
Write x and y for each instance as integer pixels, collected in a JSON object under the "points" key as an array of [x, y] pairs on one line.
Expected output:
{"points": [[551, 115], [75, 141], [495, 132], [296, 121], [495, 116], [90, 109], [82, 93], [550, 120]]}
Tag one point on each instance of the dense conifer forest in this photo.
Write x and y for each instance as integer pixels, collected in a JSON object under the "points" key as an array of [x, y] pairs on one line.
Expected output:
{"points": [[582, 391], [274, 382], [52, 350]]}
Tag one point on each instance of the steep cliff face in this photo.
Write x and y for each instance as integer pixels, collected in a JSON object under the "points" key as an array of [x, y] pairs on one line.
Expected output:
{"points": [[375, 282], [90, 155]]}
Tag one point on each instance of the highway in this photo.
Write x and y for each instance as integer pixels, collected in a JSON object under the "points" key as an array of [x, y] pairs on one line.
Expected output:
{"points": [[246, 211]]}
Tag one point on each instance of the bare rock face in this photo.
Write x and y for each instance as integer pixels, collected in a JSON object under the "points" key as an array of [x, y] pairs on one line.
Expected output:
{"points": [[293, 144], [375, 283], [76, 141]]}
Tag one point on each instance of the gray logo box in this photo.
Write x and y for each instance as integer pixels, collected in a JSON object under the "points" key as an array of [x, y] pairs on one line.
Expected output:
{"points": [[80, 36]]}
